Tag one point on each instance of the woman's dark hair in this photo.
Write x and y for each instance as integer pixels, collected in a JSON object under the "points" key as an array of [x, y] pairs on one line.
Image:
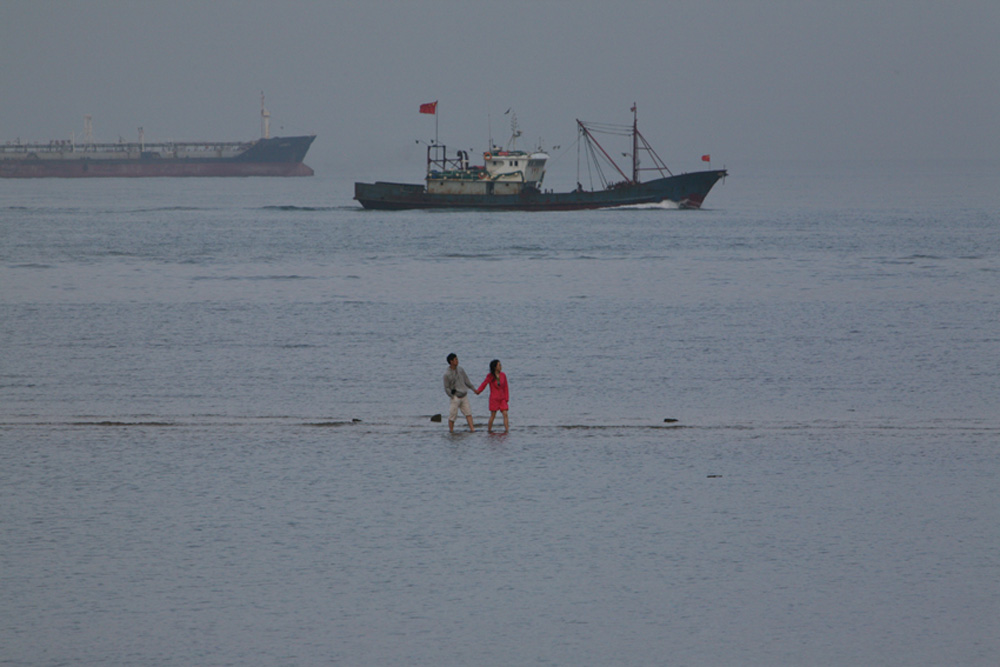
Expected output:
{"points": [[493, 368]]}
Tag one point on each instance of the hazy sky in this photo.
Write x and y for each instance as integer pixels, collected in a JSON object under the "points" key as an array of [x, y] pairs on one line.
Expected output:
{"points": [[741, 80]]}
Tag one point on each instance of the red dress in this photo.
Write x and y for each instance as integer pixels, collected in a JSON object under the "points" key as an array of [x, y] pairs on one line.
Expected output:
{"points": [[499, 393]]}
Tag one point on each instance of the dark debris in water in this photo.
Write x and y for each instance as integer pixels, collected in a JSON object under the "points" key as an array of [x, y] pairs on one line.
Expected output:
{"points": [[335, 423]]}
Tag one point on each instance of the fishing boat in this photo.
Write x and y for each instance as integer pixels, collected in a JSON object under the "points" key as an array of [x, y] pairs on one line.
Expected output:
{"points": [[511, 179]]}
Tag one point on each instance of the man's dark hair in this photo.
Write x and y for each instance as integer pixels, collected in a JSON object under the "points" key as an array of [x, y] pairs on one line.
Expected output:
{"points": [[451, 356]]}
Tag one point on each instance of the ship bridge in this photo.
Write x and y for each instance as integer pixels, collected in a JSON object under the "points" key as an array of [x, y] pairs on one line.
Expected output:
{"points": [[515, 166]]}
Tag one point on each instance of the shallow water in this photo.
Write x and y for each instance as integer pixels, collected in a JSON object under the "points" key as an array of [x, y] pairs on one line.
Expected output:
{"points": [[215, 422]]}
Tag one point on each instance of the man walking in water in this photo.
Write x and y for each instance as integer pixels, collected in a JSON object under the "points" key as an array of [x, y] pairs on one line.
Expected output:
{"points": [[457, 386]]}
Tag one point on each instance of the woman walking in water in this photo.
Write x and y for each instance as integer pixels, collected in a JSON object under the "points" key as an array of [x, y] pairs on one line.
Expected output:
{"points": [[499, 394]]}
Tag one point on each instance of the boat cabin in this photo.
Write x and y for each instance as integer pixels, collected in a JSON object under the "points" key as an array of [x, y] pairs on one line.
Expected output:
{"points": [[502, 172]]}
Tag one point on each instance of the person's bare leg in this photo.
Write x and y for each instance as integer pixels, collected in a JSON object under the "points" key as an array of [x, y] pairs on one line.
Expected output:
{"points": [[506, 426], [472, 424]]}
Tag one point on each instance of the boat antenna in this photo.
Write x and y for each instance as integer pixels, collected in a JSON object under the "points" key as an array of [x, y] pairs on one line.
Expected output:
{"points": [[514, 131]]}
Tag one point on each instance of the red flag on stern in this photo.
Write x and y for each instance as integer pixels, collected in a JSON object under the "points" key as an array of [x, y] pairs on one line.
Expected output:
{"points": [[429, 107], [706, 158]]}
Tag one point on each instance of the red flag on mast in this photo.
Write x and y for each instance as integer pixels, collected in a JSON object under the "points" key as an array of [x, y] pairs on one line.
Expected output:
{"points": [[706, 158], [429, 107]]}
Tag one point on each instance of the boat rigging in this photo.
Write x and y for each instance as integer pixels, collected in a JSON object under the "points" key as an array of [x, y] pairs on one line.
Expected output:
{"points": [[598, 156]]}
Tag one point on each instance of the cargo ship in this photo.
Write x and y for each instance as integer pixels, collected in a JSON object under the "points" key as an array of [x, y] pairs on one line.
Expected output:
{"points": [[511, 179], [267, 156]]}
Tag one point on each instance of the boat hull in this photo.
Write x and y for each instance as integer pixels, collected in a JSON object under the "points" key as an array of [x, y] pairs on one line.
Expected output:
{"points": [[278, 156], [686, 190]]}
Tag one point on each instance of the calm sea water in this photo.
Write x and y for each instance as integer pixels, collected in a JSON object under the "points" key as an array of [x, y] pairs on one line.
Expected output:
{"points": [[215, 402]]}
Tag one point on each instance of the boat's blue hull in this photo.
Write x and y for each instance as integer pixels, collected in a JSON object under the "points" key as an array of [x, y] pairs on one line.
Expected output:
{"points": [[276, 156]]}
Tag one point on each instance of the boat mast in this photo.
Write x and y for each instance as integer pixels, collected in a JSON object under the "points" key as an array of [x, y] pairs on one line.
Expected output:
{"points": [[635, 144], [265, 119]]}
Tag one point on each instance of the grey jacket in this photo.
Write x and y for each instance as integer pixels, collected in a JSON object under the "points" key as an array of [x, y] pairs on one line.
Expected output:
{"points": [[456, 382]]}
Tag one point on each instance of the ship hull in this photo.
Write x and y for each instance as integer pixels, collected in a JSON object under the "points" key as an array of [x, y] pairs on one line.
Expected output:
{"points": [[278, 156], [686, 190], [145, 169]]}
